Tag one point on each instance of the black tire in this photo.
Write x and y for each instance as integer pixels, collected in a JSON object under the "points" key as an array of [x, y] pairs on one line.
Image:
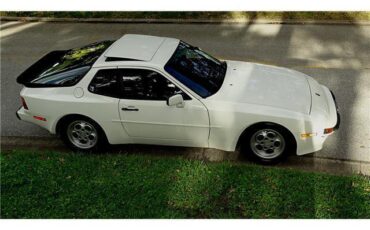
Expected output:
{"points": [[262, 151], [69, 140]]}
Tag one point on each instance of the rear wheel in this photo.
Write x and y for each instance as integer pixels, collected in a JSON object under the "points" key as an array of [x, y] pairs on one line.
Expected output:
{"points": [[267, 143], [83, 134]]}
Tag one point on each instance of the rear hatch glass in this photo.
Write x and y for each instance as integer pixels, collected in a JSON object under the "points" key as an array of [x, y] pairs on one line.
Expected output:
{"points": [[63, 67]]}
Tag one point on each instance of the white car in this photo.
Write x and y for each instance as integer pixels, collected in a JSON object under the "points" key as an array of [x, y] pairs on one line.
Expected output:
{"points": [[157, 90]]}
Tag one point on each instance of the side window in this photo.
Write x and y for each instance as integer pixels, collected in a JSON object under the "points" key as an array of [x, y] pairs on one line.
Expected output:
{"points": [[141, 84], [105, 82]]}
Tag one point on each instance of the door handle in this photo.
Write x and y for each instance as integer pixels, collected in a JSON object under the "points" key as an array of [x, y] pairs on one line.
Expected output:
{"points": [[130, 108]]}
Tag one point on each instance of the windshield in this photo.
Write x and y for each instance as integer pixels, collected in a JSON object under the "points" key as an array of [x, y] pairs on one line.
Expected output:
{"points": [[196, 69]]}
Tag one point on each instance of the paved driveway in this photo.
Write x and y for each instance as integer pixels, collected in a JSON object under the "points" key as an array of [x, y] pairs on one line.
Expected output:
{"points": [[336, 55]]}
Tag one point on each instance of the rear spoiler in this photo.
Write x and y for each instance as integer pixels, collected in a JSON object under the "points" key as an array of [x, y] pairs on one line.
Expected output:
{"points": [[39, 67]]}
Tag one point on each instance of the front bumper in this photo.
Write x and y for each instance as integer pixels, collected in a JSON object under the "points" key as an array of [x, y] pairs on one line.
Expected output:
{"points": [[318, 122], [337, 108]]}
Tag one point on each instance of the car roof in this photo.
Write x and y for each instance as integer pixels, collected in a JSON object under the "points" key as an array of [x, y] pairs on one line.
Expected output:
{"points": [[135, 46], [135, 49]]}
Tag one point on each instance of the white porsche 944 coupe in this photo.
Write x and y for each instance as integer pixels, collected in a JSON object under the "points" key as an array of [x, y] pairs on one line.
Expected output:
{"points": [[163, 91]]}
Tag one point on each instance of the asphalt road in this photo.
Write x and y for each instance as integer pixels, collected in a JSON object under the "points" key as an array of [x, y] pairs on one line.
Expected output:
{"points": [[336, 55]]}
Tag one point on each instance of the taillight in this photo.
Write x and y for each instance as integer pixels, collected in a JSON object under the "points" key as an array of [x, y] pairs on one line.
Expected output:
{"points": [[24, 103]]}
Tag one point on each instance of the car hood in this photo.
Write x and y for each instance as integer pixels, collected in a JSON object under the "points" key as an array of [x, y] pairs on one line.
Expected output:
{"points": [[265, 85]]}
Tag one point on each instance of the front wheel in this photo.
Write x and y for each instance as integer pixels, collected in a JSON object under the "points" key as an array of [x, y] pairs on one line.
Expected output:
{"points": [[267, 144], [83, 134]]}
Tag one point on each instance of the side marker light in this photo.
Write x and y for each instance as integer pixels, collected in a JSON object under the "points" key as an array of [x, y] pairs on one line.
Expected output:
{"points": [[39, 118]]}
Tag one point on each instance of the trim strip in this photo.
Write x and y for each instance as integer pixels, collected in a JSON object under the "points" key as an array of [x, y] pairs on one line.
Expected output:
{"points": [[169, 124], [161, 123]]}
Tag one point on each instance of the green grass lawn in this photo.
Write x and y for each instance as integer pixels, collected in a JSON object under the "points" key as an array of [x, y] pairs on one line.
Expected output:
{"points": [[197, 15], [69, 185]]}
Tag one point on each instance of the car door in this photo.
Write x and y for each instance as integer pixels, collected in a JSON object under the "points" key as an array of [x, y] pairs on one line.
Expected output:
{"points": [[148, 119]]}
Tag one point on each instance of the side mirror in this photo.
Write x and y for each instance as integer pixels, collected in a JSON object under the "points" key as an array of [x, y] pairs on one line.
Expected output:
{"points": [[176, 100]]}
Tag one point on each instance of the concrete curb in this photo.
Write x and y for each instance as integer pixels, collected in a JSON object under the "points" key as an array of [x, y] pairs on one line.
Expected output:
{"points": [[186, 21], [309, 162]]}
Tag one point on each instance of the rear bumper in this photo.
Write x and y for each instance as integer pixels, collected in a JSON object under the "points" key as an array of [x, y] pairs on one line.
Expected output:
{"points": [[26, 115], [16, 113]]}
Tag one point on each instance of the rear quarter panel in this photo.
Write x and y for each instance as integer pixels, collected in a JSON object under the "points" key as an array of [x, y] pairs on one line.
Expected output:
{"points": [[56, 102]]}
